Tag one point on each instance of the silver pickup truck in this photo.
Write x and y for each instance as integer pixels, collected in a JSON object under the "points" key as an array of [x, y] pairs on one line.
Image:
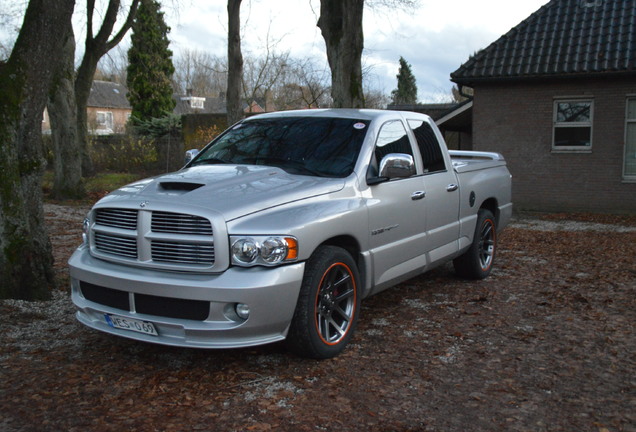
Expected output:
{"points": [[279, 227]]}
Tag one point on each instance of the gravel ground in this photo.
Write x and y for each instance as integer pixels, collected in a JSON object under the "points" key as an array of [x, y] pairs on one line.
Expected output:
{"points": [[547, 343]]}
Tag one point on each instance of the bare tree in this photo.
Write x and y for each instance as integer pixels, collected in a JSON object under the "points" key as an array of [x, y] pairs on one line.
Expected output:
{"points": [[234, 62], [261, 75], [341, 25], [70, 131], [307, 85], [26, 261], [113, 66], [95, 46], [374, 96], [62, 111], [201, 72]]}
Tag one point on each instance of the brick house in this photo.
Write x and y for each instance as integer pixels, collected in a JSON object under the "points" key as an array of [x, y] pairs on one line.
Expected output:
{"points": [[556, 95], [107, 109]]}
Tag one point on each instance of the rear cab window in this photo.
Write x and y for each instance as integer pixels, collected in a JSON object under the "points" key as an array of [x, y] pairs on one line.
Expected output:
{"points": [[429, 146]]}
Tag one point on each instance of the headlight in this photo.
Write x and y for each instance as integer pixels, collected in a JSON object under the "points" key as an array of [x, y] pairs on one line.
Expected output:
{"points": [[263, 250], [245, 250]]}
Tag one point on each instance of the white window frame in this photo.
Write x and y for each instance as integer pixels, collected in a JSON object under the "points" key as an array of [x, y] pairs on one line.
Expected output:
{"points": [[629, 178], [556, 124], [108, 119], [197, 103]]}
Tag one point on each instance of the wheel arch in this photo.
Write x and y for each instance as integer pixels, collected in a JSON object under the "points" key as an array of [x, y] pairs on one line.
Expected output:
{"points": [[492, 205], [352, 246]]}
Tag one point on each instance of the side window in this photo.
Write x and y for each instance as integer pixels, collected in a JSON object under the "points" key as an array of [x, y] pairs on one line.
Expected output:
{"points": [[432, 157], [392, 139], [572, 125]]}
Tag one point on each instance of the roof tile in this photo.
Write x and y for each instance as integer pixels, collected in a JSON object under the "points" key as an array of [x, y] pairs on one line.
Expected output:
{"points": [[563, 37]]}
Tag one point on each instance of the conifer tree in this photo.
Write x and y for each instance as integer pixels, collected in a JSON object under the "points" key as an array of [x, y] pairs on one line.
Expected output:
{"points": [[406, 91], [150, 64]]}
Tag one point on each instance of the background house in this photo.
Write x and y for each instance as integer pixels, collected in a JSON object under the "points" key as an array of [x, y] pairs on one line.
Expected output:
{"points": [[557, 96], [108, 108], [191, 104], [454, 120]]}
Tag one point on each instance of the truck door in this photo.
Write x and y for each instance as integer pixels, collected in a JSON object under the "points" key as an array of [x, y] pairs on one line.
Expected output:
{"points": [[397, 213], [442, 193]]}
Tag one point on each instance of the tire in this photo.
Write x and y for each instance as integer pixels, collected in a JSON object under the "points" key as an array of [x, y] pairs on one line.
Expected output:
{"points": [[477, 261], [328, 305]]}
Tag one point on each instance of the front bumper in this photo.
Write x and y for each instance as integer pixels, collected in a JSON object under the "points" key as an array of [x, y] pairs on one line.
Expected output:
{"points": [[271, 294]]}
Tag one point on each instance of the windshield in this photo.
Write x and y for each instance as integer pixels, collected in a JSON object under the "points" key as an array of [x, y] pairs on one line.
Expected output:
{"points": [[319, 146]]}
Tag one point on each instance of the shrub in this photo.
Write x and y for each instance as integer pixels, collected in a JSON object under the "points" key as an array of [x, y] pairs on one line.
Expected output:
{"points": [[123, 153]]}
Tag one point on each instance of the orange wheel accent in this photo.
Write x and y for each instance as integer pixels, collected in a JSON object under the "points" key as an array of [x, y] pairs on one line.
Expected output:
{"points": [[335, 303]]}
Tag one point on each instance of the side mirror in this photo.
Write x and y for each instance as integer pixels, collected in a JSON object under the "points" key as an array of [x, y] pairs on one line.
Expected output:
{"points": [[190, 154], [397, 165]]}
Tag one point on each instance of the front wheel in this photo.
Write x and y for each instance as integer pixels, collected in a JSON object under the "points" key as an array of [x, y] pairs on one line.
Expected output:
{"points": [[476, 262], [328, 305]]}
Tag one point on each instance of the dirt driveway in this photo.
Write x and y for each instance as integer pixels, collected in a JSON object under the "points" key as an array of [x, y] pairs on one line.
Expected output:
{"points": [[547, 343]]}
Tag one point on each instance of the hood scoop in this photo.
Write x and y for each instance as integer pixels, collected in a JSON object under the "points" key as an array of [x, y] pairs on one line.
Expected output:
{"points": [[182, 187]]}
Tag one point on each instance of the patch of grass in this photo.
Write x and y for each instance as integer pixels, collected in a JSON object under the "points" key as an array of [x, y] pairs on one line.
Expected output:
{"points": [[103, 183], [107, 182], [98, 186]]}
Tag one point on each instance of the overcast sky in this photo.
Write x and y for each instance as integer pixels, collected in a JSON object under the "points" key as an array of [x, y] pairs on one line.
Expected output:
{"points": [[435, 39]]}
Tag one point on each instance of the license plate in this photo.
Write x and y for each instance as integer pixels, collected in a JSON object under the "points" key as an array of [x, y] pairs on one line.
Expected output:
{"points": [[131, 324]]}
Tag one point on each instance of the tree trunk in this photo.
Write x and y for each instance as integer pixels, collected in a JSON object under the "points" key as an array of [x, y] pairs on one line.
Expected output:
{"points": [[26, 261], [234, 63], [63, 115], [341, 25], [95, 46], [82, 90]]}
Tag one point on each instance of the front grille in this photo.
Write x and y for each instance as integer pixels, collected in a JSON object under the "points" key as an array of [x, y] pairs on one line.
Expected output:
{"points": [[183, 253], [117, 218], [177, 223], [147, 304], [120, 246], [160, 239]]}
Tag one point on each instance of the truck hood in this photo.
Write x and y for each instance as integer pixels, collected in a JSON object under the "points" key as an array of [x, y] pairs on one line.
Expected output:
{"points": [[232, 190]]}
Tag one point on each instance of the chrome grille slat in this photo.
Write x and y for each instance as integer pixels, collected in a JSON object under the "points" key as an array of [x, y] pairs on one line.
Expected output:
{"points": [[178, 223], [116, 245], [117, 218], [181, 253]]}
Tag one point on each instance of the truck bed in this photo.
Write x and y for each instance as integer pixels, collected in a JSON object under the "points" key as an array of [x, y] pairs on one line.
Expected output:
{"points": [[465, 161]]}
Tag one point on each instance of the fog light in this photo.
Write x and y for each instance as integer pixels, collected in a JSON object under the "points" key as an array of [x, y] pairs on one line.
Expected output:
{"points": [[242, 310]]}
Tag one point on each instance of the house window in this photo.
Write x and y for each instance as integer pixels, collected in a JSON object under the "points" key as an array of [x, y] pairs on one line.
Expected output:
{"points": [[197, 103], [573, 125], [629, 169], [104, 120]]}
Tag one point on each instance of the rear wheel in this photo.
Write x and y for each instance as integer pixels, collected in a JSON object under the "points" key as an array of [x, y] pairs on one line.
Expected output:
{"points": [[328, 305], [476, 262]]}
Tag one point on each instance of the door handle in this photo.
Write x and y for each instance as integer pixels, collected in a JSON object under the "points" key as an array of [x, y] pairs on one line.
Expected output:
{"points": [[418, 195], [452, 187]]}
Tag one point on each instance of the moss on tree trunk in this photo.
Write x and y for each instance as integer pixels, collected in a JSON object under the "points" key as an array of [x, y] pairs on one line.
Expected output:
{"points": [[26, 261]]}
